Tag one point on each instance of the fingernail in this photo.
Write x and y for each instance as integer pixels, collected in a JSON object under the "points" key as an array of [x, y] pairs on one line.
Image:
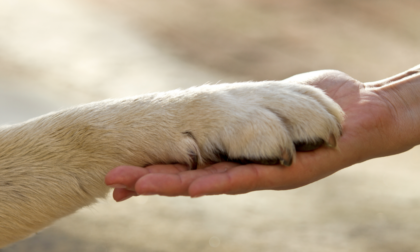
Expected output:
{"points": [[124, 198], [117, 186]]}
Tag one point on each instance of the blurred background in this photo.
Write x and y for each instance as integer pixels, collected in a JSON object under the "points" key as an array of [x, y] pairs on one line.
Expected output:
{"points": [[60, 53]]}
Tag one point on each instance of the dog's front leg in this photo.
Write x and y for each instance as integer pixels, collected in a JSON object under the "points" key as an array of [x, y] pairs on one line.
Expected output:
{"points": [[53, 165]]}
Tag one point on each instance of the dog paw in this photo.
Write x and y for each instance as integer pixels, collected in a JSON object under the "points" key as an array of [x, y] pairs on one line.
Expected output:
{"points": [[258, 122]]}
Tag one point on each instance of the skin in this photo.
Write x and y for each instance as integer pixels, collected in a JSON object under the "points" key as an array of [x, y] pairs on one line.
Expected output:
{"points": [[381, 119]]}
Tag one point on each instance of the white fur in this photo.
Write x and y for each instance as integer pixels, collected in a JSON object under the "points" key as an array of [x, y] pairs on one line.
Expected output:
{"points": [[55, 164]]}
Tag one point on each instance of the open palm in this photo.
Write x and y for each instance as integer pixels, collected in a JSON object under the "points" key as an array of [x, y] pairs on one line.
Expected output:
{"points": [[369, 123]]}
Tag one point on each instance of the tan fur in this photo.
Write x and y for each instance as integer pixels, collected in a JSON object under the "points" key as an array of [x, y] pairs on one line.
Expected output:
{"points": [[55, 164]]}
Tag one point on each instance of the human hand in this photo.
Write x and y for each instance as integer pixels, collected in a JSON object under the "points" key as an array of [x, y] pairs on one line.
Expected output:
{"points": [[375, 125]]}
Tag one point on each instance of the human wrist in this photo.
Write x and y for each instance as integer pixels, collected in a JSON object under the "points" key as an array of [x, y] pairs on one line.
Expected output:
{"points": [[403, 96]]}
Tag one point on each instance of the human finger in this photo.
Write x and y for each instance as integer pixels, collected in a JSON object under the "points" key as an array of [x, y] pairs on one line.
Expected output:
{"points": [[121, 194], [176, 184], [308, 167], [126, 176]]}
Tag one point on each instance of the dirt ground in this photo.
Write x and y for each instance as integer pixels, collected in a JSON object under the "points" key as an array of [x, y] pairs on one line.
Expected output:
{"points": [[59, 53]]}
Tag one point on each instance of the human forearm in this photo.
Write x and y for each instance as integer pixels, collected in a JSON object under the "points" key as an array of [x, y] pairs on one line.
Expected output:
{"points": [[402, 95]]}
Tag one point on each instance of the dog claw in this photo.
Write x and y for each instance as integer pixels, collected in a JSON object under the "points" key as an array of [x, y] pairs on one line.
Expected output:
{"points": [[332, 142], [194, 161], [287, 158]]}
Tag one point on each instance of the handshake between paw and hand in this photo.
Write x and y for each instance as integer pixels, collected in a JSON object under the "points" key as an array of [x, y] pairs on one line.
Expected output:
{"points": [[379, 120]]}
